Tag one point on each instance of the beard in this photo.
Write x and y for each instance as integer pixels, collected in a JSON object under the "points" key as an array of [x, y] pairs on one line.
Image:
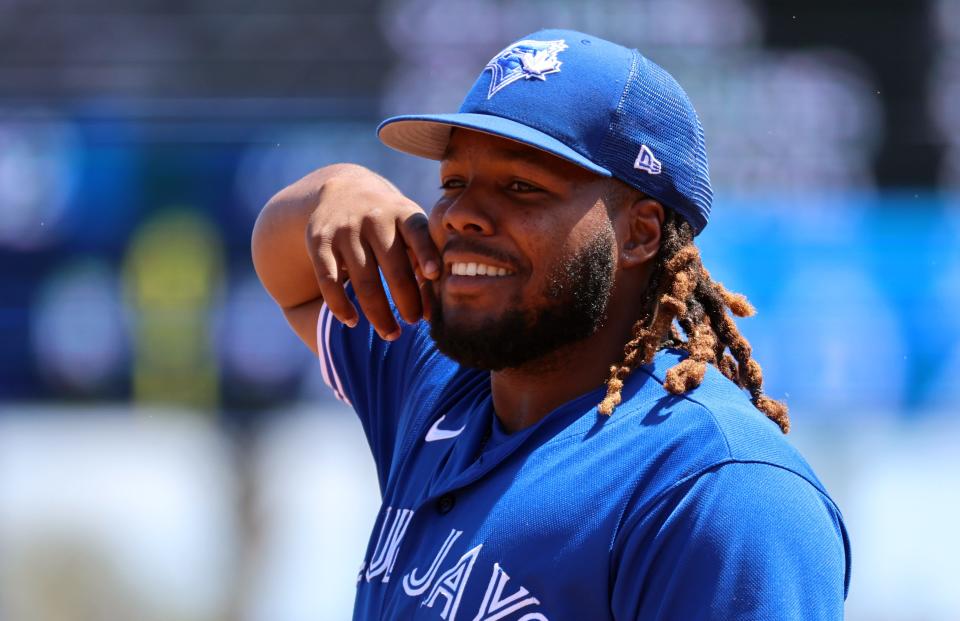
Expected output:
{"points": [[577, 293]]}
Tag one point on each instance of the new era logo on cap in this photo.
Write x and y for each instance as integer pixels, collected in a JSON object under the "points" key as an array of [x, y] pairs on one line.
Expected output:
{"points": [[647, 161]]}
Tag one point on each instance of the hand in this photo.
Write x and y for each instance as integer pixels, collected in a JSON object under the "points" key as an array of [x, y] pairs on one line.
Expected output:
{"points": [[361, 226]]}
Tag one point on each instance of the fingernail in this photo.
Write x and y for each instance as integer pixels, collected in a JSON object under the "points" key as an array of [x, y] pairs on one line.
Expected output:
{"points": [[430, 268], [351, 323], [393, 335]]}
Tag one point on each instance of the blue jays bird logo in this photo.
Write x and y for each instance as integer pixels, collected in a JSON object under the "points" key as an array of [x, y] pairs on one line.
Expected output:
{"points": [[524, 59]]}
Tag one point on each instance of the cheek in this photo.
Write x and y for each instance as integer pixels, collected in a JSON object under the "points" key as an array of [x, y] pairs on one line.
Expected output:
{"points": [[567, 239], [548, 252], [563, 256]]}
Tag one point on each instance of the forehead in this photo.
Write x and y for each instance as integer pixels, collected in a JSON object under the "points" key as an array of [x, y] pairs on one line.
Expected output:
{"points": [[466, 144]]}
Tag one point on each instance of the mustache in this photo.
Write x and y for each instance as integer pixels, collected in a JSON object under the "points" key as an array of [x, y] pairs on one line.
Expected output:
{"points": [[472, 246]]}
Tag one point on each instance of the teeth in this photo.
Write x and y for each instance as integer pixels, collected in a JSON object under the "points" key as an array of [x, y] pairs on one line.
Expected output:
{"points": [[477, 269]]}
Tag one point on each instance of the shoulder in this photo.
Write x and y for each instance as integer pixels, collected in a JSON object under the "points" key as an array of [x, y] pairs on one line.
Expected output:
{"points": [[723, 491], [668, 443], [713, 424], [742, 540]]}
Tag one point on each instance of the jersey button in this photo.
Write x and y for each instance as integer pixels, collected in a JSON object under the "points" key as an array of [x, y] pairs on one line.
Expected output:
{"points": [[445, 504]]}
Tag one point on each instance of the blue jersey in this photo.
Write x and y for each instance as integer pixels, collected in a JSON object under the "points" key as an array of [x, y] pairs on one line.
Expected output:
{"points": [[674, 507]]}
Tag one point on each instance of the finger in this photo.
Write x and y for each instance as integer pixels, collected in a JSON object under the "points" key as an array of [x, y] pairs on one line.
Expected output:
{"points": [[426, 288], [391, 254], [416, 234], [427, 298], [361, 264], [327, 270]]}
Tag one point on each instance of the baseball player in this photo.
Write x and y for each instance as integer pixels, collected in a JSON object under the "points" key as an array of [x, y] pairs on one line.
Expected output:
{"points": [[565, 420]]}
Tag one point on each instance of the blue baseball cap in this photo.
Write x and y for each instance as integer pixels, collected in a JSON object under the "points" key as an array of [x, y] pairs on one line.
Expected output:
{"points": [[597, 104]]}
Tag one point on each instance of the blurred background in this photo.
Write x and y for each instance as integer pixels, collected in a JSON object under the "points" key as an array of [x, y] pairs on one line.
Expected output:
{"points": [[167, 448]]}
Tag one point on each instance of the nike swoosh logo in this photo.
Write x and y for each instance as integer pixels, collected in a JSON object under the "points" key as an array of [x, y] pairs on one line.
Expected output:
{"points": [[435, 433]]}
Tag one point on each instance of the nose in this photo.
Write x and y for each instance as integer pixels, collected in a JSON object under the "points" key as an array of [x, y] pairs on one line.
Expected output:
{"points": [[466, 215]]}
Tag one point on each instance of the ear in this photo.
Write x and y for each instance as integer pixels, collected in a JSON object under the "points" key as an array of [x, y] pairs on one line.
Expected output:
{"points": [[639, 231]]}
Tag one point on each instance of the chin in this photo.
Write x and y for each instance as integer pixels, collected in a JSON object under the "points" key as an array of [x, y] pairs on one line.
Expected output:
{"points": [[479, 339], [512, 339], [466, 319]]}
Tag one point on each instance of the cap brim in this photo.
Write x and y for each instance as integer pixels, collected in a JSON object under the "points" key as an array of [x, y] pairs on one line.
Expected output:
{"points": [[427, 136]]}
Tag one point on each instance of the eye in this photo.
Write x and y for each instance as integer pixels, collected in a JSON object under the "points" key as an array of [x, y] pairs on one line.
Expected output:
{"points": [[523, 187], [452, 183]]}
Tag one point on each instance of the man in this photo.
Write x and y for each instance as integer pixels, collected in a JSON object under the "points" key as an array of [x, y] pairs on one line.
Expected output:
{"points": [[524, 477]]}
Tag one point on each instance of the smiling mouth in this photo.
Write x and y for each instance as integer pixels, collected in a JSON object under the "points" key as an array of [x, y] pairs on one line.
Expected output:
{"points": [[478, 269]]}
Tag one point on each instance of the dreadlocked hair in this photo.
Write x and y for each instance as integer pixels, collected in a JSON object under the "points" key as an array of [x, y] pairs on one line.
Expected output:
{"points": [[681, 292]]}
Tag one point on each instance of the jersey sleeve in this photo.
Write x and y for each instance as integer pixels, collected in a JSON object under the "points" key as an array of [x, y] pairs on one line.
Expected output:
{"points": [[741, 541], [380, 379]]}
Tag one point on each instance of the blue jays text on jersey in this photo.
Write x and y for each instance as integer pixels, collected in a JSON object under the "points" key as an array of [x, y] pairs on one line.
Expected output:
{"points": [[675, 507]]}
